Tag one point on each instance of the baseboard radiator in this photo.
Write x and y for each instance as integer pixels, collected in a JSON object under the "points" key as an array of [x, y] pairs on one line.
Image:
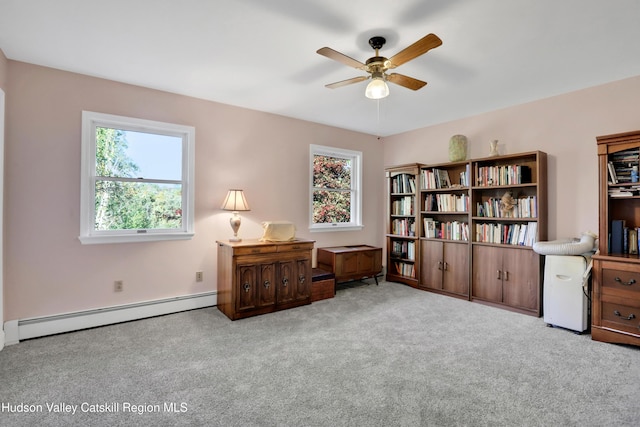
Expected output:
{"points": [[18, 330]]}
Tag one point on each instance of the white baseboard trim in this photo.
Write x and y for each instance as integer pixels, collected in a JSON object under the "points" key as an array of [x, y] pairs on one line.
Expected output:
{"points": [[18, 330]]}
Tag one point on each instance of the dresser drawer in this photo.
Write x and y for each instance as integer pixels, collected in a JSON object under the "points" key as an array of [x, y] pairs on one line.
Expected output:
{"points": [[621, 317], [621, 280], [295, 247], [254, 250]]}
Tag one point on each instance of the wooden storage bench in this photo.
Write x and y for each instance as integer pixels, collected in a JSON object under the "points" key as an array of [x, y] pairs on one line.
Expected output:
{"points": [[323, 284], [351, 262]]}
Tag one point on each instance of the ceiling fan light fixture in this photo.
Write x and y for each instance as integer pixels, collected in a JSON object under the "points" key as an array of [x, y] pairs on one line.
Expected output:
{"points": [[377, 89]]}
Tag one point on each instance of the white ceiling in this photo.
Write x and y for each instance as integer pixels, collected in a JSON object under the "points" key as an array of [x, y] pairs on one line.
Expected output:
{"points": [[261, 54]]}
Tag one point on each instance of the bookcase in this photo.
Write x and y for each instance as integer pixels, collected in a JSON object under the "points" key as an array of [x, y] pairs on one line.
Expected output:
{"points": [[403, 226], [508, 215], [444, 215], [476, 223], [615, 307]]}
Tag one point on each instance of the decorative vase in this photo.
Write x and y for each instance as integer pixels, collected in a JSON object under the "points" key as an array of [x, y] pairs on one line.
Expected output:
{"points": [[493, 148], [457, 148]]}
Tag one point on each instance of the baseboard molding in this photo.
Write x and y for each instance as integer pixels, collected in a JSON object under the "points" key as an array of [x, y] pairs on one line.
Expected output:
{"points": [[18, 330]]}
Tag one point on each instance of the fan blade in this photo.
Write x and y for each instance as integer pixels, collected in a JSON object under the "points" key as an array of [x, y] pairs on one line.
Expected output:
{"points": [[346, 82], [420, 47], [406, 81], [341, 57]]}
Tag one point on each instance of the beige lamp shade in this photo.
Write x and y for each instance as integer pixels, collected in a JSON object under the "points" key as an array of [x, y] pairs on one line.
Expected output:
{"points": [[235, 201]]}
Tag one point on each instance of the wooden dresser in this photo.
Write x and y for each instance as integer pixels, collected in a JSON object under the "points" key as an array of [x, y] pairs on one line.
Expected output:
{"points": [[261, 277], [616, 267]]}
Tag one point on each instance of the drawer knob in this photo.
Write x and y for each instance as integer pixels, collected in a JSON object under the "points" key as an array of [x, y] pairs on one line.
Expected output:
{"points": [[629, 283], [267, 284], [629, 317], [285, 282], [301, 278], [246, 286]]}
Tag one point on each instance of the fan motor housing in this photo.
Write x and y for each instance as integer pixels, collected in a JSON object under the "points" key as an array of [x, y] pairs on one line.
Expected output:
{"points": [[377, 42]]}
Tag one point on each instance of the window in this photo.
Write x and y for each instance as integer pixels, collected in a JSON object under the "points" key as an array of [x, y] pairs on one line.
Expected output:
{"points": [[137, 180], [336, 193]]}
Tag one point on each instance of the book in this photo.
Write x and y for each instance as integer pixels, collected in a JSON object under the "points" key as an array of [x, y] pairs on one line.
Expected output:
{"points": [[612, 173], [617, 236]]}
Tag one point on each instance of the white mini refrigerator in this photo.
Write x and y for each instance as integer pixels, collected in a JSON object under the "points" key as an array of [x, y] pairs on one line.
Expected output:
{"points": [[565, 291]]}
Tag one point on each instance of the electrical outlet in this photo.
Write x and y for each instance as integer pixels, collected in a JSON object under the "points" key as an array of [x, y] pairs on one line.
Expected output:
{"points": [[118, 286], [199, 275]]}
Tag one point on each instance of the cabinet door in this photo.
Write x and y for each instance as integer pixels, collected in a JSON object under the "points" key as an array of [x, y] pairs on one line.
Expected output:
{"points": [[346, 263], [368, 262], [456, 268], [286, 281], [521, 276], [303, 279], [431, 264], [246, 280], [266, 288], [486, 283]]}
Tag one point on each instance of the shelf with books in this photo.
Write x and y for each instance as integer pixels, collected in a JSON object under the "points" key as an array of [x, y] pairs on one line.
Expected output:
{"points": [[515, 234], [508, 215], [615, 303], [455, 175], [446, 230], [403, 226]]}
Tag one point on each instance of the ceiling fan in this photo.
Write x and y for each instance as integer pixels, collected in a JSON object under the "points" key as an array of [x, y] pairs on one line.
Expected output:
{"points": [[377, 66]]}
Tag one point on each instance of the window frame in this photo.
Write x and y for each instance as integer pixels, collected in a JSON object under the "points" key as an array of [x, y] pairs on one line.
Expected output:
{"points": [[88, 235], [356, 188]]}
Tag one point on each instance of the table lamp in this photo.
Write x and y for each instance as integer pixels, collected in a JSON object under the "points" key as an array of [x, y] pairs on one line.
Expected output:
{"points": [[235, 202]]}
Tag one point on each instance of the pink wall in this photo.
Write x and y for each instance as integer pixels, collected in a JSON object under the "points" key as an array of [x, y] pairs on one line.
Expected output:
{"points": [[48, 271], [564, 126], [3, 70]]}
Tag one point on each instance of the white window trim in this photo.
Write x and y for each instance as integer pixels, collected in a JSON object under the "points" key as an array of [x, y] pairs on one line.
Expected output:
{"points": [[91, 120], [356, 185]]}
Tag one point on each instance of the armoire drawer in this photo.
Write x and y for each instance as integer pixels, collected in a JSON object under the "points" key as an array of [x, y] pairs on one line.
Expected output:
{"points": [[621, 317], [621, 279]]}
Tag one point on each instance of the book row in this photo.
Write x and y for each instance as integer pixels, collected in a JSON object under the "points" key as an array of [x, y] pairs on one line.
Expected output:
{"points": [[439, 178], [404, 269], [402, 206], [525, 207], [403, 249], [403, 227], [622, 166], [507, 234], [451, 230], [446, 203], [502, 175], [623, 239], [403, 183]]}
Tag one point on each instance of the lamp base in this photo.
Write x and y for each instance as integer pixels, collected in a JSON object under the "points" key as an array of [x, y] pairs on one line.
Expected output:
{"points": [[235, 225]]}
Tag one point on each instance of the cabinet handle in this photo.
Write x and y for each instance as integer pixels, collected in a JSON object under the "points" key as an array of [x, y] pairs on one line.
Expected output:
{"points": [[301, 279], [439, 265], [499, 274], [629, 283], [446, 266], [629, 317], [506, 276], [246, 286], [285, 282], [267, 284]]}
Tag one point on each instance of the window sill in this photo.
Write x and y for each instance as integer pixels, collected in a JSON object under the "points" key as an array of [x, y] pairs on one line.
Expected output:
{"points": [[134, 238], [336, 228]]}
